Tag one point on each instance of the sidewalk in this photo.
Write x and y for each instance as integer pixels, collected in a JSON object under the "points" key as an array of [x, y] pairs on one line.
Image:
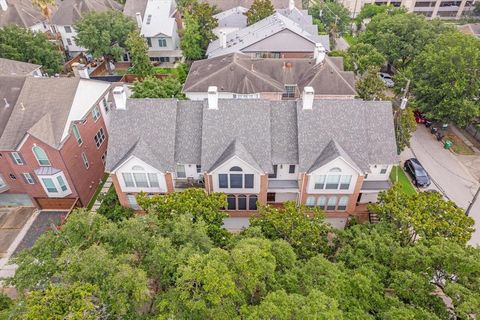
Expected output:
{"points": [[472, 163]]}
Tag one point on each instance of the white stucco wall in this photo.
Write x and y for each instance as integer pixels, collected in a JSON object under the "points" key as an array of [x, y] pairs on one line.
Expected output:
{"points": [[375, 175], [247, 169], [337, 163], [190, 171], [73, 48], [283, 174], [127, 167]]}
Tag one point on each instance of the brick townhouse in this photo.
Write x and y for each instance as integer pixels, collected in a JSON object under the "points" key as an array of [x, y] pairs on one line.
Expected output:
{"points": [[332, 154], [53, 139]]}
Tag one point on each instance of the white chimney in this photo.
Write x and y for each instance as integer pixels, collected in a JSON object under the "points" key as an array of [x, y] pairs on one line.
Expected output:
{"points": [[291, 5], [212, 98], [80, 70], [139, 19], [307, 98], [3, 5], [319, 53], [120, 98], [223, 39]]}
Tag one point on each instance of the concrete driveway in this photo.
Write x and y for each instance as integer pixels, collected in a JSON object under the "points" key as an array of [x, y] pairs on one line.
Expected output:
{"points": [[12, 220], [448, 174]]}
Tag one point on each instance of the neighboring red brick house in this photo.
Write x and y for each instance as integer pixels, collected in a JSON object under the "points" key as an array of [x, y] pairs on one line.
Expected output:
{"points": [[331, 154], [53, 146]]}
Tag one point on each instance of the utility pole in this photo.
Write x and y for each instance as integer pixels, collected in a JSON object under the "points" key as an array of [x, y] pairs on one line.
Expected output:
{"points": [[473, 201]]}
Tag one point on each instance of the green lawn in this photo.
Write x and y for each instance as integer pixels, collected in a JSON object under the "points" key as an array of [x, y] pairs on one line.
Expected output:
{"points": [[350, 39], [407, 186], [97, 192]]}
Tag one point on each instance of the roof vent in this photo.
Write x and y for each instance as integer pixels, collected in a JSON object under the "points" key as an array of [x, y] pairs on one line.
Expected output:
{"points": [[7, 105]]}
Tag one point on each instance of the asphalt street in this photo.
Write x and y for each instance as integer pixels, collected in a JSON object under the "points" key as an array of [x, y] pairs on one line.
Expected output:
{"points": [[448, 174]]}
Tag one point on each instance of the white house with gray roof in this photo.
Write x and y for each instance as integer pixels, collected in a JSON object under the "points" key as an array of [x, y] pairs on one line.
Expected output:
{"points": [[288, 33], [156, 20], [327, 153]]}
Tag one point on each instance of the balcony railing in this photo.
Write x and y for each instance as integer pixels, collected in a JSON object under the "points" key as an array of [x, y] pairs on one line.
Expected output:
{"points": [[189, 183]]}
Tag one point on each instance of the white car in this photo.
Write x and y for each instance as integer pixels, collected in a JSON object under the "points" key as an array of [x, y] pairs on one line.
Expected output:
{"points": [[387, 79]]}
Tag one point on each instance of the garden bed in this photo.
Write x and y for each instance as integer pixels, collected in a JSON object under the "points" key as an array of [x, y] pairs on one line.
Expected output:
{"points": [[459, 146]]}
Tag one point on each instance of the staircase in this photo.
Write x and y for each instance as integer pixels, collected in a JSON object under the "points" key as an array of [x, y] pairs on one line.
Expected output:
{"points": [[105, 188], [373, 218]]}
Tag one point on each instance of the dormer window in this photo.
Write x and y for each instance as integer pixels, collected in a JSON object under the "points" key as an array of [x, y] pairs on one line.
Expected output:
{"points": [[289, 91], [235, 179], [333, 180]]}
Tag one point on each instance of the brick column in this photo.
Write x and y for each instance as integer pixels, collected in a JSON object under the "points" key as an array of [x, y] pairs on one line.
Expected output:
{"points": [[303, 184], [169, 182], [352, 202], [122, 196], [262, 196], [208, 183]]}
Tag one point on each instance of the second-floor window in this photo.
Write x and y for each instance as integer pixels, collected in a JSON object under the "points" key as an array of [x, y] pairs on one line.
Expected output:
{"points": [[95, 113], [86, 164], [99, 138], [17, 158], [162, 42], [68, 29], [333, 180], [69, 41], [149, 42], [28, 178], [77, 135], [140, 179], [181, 173], [291, 168], [41, 156], [105, 105], [235, 179]]}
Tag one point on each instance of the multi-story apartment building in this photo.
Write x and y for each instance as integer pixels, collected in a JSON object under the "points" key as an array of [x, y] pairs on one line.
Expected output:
{"points": [[53, 139], [429, 8], [327, 153], [157, 22], [238, 76]]}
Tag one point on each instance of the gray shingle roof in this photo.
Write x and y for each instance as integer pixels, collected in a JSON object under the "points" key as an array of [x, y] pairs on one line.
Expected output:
{"points": [[42, 110], [263, 29], [239, 73], [364, 129], [247, 121], [19, 68], [146, 130], [332, 151], [21, 13], [229, 4], [164, 132], [10, 88], [69, 11]]}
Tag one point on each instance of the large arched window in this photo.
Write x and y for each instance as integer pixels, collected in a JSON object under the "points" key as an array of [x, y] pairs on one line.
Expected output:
{"points": [[333, 180], [232, 202], [332, 203], [310, 201], [252, 202], [242, 202], [41, 156], [321, 202], [236, 179]]}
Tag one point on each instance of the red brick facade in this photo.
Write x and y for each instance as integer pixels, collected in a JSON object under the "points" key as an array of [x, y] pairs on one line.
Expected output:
{"points": [[68, 159]]}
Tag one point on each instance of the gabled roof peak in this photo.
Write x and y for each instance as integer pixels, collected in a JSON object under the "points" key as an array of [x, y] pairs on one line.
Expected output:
{"points": [[332, 151], [236, 148]]}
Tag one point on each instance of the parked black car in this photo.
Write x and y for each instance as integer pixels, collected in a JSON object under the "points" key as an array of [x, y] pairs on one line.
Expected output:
{"points": [[419, 175]]}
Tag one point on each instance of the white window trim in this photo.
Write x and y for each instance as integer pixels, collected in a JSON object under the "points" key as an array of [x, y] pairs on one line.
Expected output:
{"points": [[17, 158], [60, 193], [86, 164], [47, 159], [77, 135], [149, 182], [28, 177], [96, 114]]}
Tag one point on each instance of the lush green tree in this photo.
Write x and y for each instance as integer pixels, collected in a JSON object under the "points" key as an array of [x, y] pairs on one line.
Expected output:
{"points": [[370, 86], [195, 202], [283, 306], [203, 13], [331, 17], [400, 37], [303, 228], [424, 215], [150, 87], [75, 301], [138, 51], [446, 81], [360, 57], [111, 208], [104, 34], [405, 126], [370, 10], [259, 10], [191, 40], [24, 45]]}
